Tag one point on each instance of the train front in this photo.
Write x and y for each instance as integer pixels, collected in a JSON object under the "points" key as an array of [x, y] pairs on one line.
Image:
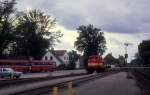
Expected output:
{"points": [[95, 63]]}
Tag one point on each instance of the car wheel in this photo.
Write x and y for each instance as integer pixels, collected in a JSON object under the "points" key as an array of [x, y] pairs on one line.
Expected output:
{"points": [[11, 76], [17, 77], [98, 71], [2, 77], [90, 71]]}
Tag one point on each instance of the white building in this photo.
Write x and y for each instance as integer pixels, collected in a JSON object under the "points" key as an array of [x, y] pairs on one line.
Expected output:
{"points": [[57, 56], [79, 63]]}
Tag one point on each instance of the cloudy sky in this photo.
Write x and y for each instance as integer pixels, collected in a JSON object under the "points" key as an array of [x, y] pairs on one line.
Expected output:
{"points": [[121, 20]]}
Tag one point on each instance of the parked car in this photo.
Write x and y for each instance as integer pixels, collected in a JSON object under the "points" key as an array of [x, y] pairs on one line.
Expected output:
{"points": [[9, 72]]}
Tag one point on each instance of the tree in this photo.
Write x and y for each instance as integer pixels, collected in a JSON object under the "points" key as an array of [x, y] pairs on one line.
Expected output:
{"points": [[34, 33], [121, 60], [144, 51], [90, 41], [137, 61], [110, 59], [62, 66], [6, 24], [73, 57]]}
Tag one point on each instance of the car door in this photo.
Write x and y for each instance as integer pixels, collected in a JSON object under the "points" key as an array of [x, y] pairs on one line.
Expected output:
{"points": [[6, 72], [1, 72]]}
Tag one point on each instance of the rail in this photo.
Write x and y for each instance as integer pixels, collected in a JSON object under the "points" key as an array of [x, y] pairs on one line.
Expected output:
{"points": [[42, 87], [13, 82]]}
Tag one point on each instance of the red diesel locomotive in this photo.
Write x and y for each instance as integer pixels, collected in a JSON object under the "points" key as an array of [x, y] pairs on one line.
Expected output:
{"points": [[95, 63]]}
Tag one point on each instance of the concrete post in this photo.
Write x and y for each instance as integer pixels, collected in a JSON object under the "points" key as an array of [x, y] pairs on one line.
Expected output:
{"points": [[55, 91], [69, 88]]}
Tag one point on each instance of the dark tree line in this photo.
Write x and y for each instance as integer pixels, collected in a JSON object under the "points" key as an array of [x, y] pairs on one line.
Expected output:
{"points": [[144, 52], [73, 58], [6, 24], [142, 58], [25, 34], [109, 59]]}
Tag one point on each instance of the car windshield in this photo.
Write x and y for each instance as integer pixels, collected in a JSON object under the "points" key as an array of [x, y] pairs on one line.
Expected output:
{"points": [[9, 69]]}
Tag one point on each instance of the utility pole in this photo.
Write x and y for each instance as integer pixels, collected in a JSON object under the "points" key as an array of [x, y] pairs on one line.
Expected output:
{"points": [[126, 51], [126, 57]]}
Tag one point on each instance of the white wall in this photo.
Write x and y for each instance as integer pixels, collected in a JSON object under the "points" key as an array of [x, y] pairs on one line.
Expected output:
{"points": [[77, 64], [65, 58], [49, 54]]}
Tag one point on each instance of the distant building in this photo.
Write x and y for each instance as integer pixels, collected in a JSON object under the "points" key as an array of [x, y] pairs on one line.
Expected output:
{"points": [[80, 63], [61, 57], [57, 56]]}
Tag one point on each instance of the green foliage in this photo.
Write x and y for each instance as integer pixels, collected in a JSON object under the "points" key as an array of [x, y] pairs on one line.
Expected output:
{"points": [[90, 41], [110, 59], [73, 57], [62, 67], [6, 24], [121, 60], [34, 33], [85, 57], [27, 34], [137, 61]]}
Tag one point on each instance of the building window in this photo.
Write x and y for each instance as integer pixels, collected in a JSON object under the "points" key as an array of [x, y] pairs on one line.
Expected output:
{"points": [[45, 57], [51, 57]]}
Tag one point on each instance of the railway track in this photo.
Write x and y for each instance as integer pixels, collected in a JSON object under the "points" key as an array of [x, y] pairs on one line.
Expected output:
{"points": [[21, 81], [38, 88]]}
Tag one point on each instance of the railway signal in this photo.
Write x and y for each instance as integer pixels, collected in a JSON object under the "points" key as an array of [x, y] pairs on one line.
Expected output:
{"points": [[126, 51]]}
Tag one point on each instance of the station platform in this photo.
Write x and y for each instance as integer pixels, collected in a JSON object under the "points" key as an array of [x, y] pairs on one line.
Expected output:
{"points": [[116, 84]]}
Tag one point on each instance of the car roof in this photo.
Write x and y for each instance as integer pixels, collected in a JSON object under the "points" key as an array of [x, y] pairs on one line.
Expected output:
{"points": [[5, 68]]}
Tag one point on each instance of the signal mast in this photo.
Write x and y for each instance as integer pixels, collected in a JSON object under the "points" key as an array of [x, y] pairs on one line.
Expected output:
{"points": [[126, 51]]}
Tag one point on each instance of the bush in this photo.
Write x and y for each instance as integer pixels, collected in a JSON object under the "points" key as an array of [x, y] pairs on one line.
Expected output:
{"points": [[62, 67]]}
